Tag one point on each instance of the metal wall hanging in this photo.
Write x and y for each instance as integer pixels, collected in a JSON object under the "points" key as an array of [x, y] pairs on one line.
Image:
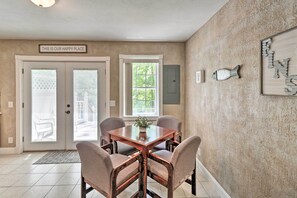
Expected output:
{"points": [[279, 64], [224, 74]]}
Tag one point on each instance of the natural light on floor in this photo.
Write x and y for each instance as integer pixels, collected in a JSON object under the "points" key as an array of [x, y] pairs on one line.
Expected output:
{"points": [[20, 178]]}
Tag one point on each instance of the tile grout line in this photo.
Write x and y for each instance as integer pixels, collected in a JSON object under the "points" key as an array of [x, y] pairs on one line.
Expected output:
{"points": [[48, 192]]}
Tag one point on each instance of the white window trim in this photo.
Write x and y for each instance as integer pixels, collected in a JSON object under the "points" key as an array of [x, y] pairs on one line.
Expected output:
{"points": [[124, 58]]}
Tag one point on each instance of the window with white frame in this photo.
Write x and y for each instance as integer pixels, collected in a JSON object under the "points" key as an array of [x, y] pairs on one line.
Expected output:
{"points": [[140, 85]]}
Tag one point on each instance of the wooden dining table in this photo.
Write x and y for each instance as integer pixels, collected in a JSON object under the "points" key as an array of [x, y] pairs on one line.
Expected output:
{"points": [[144, 142]]}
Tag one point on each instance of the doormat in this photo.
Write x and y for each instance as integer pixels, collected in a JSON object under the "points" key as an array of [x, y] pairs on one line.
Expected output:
{"points": [[59, 157]]}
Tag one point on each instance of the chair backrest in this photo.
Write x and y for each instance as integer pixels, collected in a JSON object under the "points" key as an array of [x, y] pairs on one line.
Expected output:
{"points": [[169, 122], [110, 124], [96, 165], [183, 159]]}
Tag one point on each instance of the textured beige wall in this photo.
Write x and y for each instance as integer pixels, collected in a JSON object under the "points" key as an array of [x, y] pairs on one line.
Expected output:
{"points": [[249, 141], [173, 54]]}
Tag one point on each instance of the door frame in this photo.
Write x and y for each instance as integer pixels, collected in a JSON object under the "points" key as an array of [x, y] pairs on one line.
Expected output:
{"points": [[20, 59]]}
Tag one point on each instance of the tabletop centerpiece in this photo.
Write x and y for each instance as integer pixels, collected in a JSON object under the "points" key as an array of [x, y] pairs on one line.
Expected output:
{"points": [[143, 123]]}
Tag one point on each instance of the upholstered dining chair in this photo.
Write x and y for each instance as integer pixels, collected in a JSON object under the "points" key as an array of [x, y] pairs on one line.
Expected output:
{"points": [[108, 174], [171, 169], [169, 122], [111, 124]]}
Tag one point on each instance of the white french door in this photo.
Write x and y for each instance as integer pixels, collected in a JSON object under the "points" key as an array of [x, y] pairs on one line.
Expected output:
{"points": [[64, 103], [85, 101]]}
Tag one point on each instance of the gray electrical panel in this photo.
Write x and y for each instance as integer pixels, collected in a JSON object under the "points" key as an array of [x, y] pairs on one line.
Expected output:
{"points": [[171, 84]]}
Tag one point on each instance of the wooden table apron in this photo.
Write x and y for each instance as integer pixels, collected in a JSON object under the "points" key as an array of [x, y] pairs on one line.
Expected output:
{"points": [[142, 147]]}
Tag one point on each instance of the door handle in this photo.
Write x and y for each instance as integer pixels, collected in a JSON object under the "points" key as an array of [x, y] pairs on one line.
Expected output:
{"points": [[67, 112]]}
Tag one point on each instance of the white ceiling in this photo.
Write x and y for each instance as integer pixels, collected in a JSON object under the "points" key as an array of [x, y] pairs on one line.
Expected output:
{"points": [[106, 20]]}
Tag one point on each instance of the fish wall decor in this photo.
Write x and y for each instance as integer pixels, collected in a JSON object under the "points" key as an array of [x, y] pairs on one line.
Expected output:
{"points": [[224, 74]]}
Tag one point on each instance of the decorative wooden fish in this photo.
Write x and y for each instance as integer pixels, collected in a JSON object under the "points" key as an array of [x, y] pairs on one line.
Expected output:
{"points": [[224, 74]]}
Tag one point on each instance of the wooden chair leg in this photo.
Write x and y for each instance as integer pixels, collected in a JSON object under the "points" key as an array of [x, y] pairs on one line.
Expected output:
{"points": [[115, 147], [179, 139], [83, 188], [170, 186], [167, 146], [194, 181], [170, 193]]}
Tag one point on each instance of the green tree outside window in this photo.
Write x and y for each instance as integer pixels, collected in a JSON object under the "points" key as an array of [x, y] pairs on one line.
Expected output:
{"points": [[144, 76]]}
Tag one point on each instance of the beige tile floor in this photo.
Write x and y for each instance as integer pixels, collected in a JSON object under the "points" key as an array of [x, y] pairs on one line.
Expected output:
{"points": [[20, 178]]}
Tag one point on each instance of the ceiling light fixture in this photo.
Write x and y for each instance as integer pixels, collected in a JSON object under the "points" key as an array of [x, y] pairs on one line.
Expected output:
{"points": [[44, 3]]}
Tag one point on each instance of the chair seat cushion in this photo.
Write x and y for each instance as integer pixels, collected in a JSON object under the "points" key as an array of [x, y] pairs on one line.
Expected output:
{"points": [[157, 168], [125, 149], [161, 146], [126, 173]]}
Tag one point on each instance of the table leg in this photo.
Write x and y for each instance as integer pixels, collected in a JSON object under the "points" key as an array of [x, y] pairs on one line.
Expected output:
{"points": [[145, 153]]}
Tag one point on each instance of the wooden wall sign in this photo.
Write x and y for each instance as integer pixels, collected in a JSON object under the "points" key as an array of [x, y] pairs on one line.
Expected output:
{"points": [[61, 48], [279, 64]]}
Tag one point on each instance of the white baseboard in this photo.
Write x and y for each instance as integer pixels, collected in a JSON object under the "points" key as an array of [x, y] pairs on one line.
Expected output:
{"points": [[8, 151], [210, 178]]}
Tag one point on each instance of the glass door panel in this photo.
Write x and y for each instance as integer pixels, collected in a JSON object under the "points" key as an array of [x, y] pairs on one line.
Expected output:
{"points": [[85, 101], [85, 95], [44, 105]]}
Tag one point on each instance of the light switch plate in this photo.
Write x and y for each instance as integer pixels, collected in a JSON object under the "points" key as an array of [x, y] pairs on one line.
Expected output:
{"points": [[112, 103], [10, 104], [200, 76], [10, 140]]}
